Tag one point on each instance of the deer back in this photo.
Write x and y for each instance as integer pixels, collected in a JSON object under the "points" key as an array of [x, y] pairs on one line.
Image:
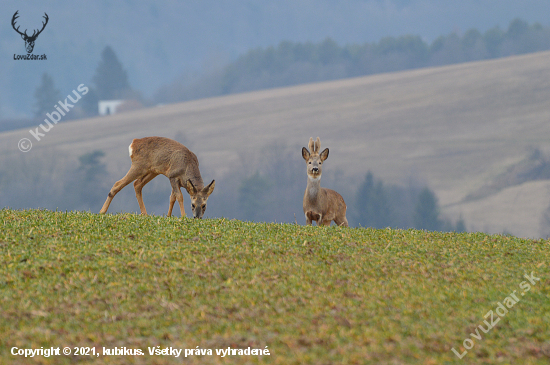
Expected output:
{"points": [[168, 157]]}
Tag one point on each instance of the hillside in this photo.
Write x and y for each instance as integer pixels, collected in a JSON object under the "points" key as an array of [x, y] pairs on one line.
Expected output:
{"points": [[309, 295], [455, 128]]}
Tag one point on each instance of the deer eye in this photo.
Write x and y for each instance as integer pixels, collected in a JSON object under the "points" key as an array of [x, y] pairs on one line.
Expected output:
{"points": [[309, 162], [193, 206], [204, 206]]}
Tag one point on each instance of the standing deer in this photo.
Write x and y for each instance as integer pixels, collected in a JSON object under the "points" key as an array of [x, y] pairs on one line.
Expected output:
{"points": [[320, 204], [29, 39], [152, 156]]}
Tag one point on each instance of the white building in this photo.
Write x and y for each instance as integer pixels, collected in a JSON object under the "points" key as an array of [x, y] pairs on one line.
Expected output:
{"points": [[107, 107]]}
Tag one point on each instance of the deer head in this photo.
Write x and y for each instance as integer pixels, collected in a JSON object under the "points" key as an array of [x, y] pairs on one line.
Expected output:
{"points": [[199, 197], [29, 40], [314, 159]]}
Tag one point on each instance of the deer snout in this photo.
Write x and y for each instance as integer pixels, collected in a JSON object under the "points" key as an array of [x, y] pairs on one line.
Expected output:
{"points": [[315, 169], [198, 210]]}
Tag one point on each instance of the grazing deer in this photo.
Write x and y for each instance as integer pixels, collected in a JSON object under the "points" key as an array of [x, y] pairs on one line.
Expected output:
{"points": [[320, 204], [152, 156]]}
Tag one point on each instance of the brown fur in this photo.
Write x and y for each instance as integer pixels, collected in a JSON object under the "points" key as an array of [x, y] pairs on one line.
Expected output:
{"points": [[152, 156], [321, 205]]}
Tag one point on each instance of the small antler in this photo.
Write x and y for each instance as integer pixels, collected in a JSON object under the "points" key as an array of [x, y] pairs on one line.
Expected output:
{"points": [[317, 145], [311, 145]]}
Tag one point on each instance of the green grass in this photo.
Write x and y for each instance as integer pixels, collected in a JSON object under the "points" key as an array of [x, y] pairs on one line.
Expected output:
{"points": [[313, 295]]}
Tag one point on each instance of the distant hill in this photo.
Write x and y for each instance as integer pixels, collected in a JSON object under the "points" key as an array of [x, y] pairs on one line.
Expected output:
{"points": [[159, 41], [292, 63], [457, 128]]}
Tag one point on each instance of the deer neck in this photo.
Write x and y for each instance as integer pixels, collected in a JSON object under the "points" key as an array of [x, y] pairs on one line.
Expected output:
{"points": [[313, 187], [192, 173]]}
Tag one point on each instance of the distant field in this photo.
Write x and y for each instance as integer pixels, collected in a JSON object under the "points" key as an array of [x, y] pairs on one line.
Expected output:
{"points": [[310, 295], [454, 128]]}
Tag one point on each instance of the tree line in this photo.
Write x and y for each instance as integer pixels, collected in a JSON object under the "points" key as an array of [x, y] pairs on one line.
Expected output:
{"points": [[380, 205], [292, 63], [374, 203], [110, 81]]}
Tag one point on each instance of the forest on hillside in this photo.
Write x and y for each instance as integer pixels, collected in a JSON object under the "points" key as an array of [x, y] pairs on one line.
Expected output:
{"points": [[292, 63]]}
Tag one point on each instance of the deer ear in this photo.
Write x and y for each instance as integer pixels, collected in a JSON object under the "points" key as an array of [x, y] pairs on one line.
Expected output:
{"points": [[305, 153], [191, 189], [324, 154], [210, 188]]}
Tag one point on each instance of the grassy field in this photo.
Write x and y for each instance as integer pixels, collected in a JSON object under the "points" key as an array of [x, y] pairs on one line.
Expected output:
{"points": [[311, 295]]}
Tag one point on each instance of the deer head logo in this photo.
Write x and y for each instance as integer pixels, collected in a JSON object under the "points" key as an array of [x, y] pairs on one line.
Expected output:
{"points": [[29, 40]]}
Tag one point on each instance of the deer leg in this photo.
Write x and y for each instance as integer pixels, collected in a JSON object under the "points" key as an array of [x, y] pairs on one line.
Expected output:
{"points": [[176, 195], [138, 186], [310, 217], [172, 201], [324, 221], [131, 175], [180, 201]]}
